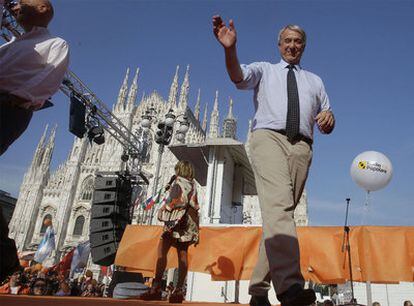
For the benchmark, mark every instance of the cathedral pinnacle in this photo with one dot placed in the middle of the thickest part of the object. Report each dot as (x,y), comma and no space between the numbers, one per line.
(197,106)
(52,136)
(122,92)
(47,155)
(215,106)
(132,95)
(204,124)
(37,158)
(230,114)
(43,138)
(214,119)
(172,97)
(230,123)
(185,86)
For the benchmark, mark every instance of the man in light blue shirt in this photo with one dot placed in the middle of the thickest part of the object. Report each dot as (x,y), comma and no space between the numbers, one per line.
(288,102)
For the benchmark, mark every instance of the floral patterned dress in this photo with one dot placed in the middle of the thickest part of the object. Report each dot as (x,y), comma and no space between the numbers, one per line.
(181,200)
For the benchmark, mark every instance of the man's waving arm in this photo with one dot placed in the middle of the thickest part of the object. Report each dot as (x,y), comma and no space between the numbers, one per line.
(227,37)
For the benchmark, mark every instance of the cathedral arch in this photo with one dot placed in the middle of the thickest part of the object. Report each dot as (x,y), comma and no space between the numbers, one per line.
(87,189)
(79,225)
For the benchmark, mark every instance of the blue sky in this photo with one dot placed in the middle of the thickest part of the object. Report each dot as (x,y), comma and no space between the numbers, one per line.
(361,49)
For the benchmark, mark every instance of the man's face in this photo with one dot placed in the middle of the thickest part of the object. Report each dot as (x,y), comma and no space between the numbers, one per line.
(291,46)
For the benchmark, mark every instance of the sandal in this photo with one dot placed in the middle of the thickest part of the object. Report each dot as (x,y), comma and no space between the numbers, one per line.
(153,294)
(177,296)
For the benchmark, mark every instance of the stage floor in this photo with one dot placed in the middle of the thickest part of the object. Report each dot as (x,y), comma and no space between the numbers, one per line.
(25,300)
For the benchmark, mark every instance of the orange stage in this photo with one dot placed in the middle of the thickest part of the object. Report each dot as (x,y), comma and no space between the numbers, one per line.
(25,300)
(379,254)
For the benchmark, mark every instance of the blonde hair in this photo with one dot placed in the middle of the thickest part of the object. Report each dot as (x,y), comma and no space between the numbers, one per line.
(185,169)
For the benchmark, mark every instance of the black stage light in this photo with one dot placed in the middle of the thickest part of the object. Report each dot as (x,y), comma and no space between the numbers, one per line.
(95,130)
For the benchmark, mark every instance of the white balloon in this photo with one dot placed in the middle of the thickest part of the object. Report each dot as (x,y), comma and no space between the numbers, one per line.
(371,170)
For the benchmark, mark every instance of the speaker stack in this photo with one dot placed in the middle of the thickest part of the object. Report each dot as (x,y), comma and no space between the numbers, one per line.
(110,216)
(77,115)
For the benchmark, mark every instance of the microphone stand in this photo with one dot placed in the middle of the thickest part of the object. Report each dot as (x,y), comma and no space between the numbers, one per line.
(346,247)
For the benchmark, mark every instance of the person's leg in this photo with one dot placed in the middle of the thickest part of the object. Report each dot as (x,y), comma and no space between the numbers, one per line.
(182,253)
(260,279)
(271,159)
(155,292)
(299,164)
(13,122)
(177,295)
(300,158)
(163,248)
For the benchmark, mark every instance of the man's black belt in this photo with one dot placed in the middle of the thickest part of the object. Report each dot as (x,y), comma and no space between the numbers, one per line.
(299,137)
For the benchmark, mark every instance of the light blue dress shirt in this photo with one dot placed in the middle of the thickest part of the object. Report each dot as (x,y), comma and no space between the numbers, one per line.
(269,82)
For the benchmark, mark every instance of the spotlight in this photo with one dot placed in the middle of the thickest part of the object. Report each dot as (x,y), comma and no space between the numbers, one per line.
(96,134)
(95,129)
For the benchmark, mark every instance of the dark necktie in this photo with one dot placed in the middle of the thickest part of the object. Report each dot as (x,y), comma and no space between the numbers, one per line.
(293,115)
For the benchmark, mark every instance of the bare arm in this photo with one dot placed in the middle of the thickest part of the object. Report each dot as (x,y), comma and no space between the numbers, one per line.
(227,37)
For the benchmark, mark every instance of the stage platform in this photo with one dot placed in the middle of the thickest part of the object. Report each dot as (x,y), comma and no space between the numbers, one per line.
(25,300)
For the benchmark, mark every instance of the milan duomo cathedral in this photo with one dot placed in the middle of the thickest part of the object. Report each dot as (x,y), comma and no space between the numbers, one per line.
(65,194)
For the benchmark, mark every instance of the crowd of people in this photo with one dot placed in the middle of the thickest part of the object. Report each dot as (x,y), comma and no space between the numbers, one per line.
(36,280)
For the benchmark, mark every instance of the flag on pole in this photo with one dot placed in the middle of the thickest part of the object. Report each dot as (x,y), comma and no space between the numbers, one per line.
(138,198)
(80,257)
(152,200)
(64,265)
(46,246)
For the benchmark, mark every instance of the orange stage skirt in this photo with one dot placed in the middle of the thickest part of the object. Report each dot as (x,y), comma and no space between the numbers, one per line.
(379,254)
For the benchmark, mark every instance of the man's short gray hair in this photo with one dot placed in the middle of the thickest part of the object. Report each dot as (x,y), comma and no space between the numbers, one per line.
(293,27)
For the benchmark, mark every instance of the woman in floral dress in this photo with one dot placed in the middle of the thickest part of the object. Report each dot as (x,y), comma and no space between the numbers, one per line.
(181,229)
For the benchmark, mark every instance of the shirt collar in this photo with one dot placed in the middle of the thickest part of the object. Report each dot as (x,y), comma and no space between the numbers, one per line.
(283,64)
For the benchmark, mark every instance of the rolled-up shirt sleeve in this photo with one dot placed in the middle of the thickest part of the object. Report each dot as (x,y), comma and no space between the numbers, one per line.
(323,98)
(45,83)
(252,74)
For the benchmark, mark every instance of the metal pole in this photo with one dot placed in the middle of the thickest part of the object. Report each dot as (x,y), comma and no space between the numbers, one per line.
(350,262)
(156,178)
(388,297)
(346,247)
(369,293)
(236,292)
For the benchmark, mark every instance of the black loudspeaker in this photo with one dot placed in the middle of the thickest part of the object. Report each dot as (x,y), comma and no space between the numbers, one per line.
(109,216)
(77,117)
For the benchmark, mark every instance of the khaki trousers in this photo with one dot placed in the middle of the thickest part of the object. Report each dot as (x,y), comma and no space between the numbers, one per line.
(280,169)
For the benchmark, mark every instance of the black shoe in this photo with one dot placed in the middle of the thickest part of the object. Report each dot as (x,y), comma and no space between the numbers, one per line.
(259,300)
(297,296)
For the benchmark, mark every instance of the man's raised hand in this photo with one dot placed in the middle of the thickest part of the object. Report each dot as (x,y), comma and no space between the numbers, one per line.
(226,36)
